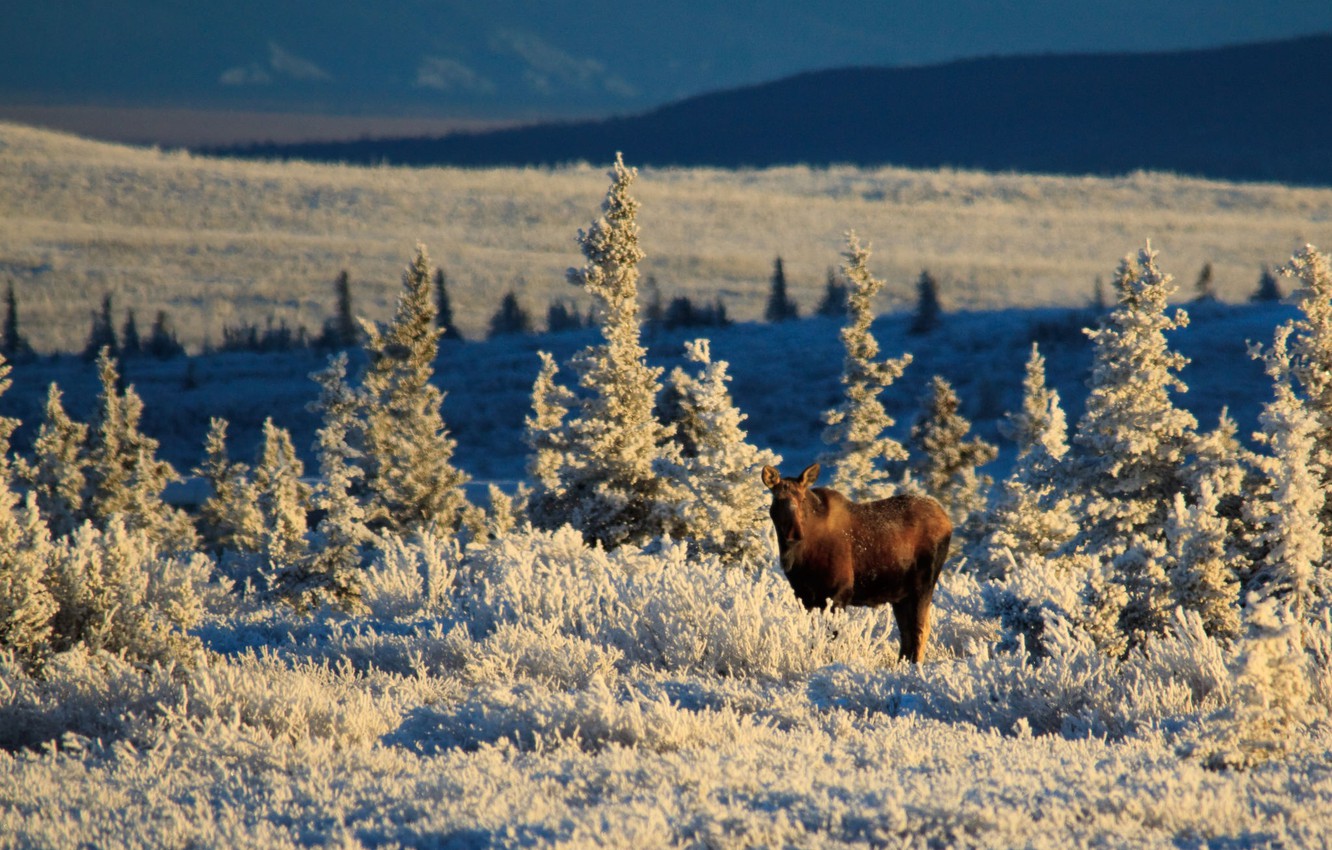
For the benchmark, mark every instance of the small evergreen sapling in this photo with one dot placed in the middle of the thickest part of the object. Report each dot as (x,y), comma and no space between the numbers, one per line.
(857,428)
(26,605)
(942,461)
(1032,515)
(722,512)
(341,535)
(125,477)
(58,473)
(408,452)
(283,502)
(229,518)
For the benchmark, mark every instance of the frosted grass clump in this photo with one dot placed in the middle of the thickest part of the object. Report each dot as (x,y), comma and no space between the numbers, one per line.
(412,576)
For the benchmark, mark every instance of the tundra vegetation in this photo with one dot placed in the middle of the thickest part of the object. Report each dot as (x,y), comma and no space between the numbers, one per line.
(1132,643)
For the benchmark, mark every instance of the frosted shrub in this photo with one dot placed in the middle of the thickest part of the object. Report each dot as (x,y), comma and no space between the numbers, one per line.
(87,692)
(596,716)
(544,576)
(295,704)
(538,652)
(117,592)
(412,576)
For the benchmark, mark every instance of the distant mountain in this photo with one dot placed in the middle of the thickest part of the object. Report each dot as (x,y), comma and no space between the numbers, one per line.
(1251,112)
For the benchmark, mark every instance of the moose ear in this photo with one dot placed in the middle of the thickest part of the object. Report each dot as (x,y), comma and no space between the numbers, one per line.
(771,477)
(809,475)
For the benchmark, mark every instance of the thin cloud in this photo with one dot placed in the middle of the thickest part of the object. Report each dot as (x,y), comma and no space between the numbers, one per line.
(449,75)
(550,69)
(281,64)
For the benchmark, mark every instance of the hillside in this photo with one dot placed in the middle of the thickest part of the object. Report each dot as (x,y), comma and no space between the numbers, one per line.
(1251,112)
(219,243)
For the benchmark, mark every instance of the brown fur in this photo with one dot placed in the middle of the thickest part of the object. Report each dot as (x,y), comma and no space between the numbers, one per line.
(838,552)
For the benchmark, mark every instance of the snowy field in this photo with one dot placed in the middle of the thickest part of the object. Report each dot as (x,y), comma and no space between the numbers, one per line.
(527,689)
(219,243)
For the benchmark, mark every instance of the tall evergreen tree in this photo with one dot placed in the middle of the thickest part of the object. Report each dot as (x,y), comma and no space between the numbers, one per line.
(862,452)
(340,331)
(408,460)
(1032,515)
(1268,289)
(780,306)
(928,309)
(102,335)
(1307,347)
(722,512)
(605,481)
(444,309)
(833,304)
(13,345)
(1133,441)
(1290,519)
(162,341)
(131,345)
(1204,289)
(510,318)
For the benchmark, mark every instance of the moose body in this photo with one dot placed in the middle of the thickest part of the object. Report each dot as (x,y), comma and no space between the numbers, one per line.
(836,552)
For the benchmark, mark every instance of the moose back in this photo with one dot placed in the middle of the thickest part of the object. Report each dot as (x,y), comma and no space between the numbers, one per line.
(838,552)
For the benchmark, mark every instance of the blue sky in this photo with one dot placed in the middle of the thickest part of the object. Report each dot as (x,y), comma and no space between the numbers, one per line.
(526,59)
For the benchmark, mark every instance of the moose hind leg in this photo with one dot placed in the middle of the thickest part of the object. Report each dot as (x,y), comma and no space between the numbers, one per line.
(907,629)
(922,617)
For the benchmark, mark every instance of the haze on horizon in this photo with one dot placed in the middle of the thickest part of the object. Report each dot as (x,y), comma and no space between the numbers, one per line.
(193,73)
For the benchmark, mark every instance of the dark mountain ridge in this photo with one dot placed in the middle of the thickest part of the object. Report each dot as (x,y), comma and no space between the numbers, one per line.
(1249,112)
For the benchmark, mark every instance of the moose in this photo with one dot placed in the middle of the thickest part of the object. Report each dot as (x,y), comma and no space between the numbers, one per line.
(838,552)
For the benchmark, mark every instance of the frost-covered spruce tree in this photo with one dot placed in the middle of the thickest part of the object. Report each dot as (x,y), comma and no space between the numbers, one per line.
(229,519)
(1031,516)
(283,500)
(1310,355)
(862,452)
(1290,518)
(599,472)
(1202,570)
(943,461)
(341,536)
(26,605)
(547,440)
(408,453)
(125,477)
(57,474)
(1132,442)
(722,512)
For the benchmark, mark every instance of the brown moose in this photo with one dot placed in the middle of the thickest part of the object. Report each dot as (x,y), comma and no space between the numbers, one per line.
(838,552)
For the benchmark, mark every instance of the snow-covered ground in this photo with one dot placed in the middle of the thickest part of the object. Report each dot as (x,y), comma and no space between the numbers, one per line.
(534,691)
